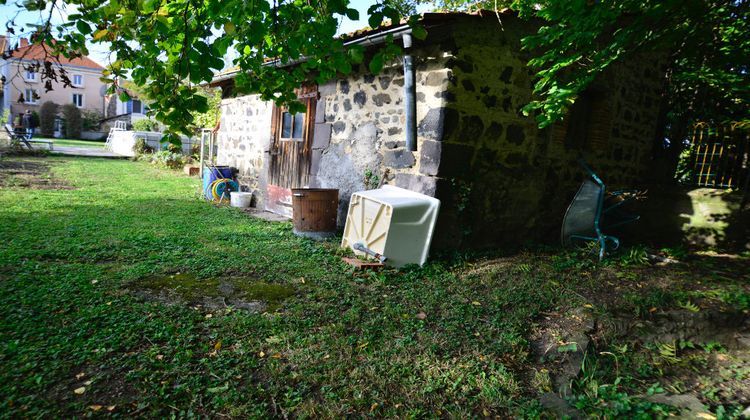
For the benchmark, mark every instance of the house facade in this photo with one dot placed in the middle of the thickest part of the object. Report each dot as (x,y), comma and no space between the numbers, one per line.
(500,178)
(23,88)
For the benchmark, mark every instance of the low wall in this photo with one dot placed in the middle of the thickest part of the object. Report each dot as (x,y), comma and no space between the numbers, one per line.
(123,141)
(93,135)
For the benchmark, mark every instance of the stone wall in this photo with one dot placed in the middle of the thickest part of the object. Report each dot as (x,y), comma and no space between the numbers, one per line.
(244,138)
(360,129)
(503,180)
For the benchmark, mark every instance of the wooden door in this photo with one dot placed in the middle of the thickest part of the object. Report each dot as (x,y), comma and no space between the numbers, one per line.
(289,163)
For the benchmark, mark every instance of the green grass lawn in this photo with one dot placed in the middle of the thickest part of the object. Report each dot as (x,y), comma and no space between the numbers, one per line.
(84,328)
(78,143)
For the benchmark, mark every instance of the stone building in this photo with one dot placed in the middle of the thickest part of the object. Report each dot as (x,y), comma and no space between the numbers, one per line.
(500,178)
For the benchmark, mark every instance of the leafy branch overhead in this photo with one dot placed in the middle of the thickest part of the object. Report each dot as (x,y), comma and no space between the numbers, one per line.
(169,47)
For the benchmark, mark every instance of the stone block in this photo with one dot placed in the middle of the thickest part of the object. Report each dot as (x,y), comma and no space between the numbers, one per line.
(398,158)
(321,136)
(392,144)
(429,160)
(431,125)
(315,161)
(418,183)
(320,111)
(327,89)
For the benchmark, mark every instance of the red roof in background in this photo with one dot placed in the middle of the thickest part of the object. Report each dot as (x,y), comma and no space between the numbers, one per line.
(37,52)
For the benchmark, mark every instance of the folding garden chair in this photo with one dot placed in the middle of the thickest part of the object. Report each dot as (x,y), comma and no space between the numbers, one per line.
(583,222)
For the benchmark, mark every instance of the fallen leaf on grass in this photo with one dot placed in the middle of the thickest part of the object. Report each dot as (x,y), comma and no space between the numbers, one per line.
(80,375)
(87,383)
(217,346)
(159,357)
(94,281)
(277,356)
(422,315)
(209,316)
(95,407)
(80,390)
(475,303)
(217,389)
(111,407)
(373,407)
(261,355)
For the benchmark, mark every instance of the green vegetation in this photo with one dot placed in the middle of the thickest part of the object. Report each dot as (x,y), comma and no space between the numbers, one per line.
(48,113)
(105,263)
(78,143)
(146,124)
(73,121)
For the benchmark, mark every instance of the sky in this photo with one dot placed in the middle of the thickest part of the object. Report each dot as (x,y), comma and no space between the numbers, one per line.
(99,52)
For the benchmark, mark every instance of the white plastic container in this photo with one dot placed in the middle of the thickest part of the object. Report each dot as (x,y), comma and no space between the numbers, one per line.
(240,199)
(392,221)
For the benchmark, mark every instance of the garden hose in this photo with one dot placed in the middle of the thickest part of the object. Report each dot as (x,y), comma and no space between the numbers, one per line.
(221,188)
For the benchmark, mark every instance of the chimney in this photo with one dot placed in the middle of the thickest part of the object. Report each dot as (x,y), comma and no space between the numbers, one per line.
(24,42)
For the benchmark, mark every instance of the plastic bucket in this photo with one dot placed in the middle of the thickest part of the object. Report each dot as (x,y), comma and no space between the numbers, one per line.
(211,174)
(240,199)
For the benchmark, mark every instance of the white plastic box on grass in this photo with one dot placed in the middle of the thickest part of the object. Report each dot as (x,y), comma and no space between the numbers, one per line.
(392,221)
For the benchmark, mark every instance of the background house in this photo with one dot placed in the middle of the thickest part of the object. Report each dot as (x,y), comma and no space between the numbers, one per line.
(129,111)
(500,178)
(23,88)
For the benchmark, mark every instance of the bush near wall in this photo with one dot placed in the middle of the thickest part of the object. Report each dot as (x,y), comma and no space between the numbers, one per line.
(146,124)
(91,119)
(47,114)
(73,121)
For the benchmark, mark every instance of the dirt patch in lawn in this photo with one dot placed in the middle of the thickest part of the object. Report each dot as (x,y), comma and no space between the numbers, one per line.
(29,174)
(213,293)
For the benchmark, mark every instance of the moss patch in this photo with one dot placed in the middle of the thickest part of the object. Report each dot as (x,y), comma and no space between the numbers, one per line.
(243,293)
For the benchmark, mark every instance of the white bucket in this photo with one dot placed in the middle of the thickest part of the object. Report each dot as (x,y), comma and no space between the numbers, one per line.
(240,199)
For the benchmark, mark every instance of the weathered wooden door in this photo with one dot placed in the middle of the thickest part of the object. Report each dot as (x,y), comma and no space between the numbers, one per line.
(289,163)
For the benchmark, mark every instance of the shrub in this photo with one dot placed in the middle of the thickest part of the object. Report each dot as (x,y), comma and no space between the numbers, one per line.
(146,124)
(47,114)
(73,122)
(91,119)
(34,119)
(168,159)
(174,148)
(141,148)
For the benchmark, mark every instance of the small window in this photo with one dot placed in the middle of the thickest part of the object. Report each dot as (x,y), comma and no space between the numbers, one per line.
(134,106)
(292,126)
(30,76)
(78,100)
(30,96)
(77,80)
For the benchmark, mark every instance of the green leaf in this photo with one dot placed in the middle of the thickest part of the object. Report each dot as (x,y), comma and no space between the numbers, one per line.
(356,54)
(83,27)
(376,63)
(375,19)
(419,32)
(567,348)
(352,14)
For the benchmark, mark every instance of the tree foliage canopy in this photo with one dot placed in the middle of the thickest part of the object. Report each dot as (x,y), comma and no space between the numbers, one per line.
(168,47)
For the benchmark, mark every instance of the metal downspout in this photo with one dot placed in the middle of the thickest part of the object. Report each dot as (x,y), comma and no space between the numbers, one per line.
(410,96)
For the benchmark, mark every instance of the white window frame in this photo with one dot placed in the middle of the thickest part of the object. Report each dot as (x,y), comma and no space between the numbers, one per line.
(29,99)
(291,129)
(72,79)
(83,100)
(26,76)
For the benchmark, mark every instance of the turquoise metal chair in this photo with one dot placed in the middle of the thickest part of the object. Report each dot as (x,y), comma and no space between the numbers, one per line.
(588,215)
